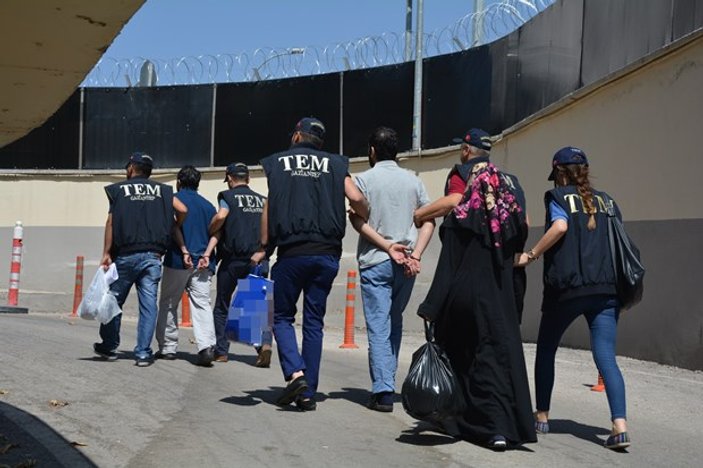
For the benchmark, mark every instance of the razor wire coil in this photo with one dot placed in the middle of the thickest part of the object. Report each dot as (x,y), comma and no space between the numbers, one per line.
(475,29)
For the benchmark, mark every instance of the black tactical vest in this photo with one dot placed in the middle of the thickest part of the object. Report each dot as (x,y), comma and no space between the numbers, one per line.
(142,216)
(242,228)
(579,264)
(306,196)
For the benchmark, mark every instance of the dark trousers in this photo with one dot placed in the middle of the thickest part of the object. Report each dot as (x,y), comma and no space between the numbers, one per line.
(313,276)
(228,273)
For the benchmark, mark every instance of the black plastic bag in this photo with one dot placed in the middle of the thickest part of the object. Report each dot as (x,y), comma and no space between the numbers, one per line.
(431,391)
(629,271)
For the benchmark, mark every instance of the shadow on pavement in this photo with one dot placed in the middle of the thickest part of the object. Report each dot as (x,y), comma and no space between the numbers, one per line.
(582,431)
(248,359)
(418,435)
(255,397)
(360,396)
(26,440)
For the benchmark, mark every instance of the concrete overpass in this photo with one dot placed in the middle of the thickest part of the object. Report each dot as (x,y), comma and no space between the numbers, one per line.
(46,49)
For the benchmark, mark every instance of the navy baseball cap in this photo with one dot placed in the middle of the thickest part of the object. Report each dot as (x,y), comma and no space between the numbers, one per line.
(476,137)
(236,169)
(311,126)
(140,158)
(567,155)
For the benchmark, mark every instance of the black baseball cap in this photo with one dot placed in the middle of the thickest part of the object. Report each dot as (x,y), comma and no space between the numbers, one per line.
(568,155)
(311,126)
(475,137)
(140,158)
(236,169)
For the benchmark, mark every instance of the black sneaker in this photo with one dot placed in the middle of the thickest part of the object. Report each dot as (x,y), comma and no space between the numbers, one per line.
(497,443)
(206,356)
(382,401)
(106,355)
(306,404)
(143,361)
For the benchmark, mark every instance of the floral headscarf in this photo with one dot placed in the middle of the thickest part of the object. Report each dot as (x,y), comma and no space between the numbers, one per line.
(489,207)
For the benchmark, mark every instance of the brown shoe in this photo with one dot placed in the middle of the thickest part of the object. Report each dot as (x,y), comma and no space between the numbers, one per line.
(221,358)
(264,359)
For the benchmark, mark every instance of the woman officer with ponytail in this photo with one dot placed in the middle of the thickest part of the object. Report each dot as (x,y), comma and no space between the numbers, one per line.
(579,279)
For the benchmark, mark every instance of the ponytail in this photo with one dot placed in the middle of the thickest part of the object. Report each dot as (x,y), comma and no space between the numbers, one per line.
(577,174)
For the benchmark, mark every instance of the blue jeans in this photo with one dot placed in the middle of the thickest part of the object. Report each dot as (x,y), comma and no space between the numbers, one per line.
(313,276)
(144,270)
(601,313)
(385,291)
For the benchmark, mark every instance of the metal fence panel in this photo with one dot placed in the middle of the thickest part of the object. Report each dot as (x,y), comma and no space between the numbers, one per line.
(172,124)
(688,16)
(54,145)
(377,97)
(254,120)
(549,55)
(618,32)
(457,95)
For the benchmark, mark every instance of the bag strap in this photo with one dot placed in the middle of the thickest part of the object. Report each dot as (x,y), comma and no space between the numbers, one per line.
(429,331)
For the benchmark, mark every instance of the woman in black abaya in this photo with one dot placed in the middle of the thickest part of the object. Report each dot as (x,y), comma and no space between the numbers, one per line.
(472,302)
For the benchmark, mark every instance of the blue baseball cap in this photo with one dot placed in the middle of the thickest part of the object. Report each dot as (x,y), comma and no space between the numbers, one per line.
(237,169)
(477,138)
(311,126)
(140,158)
(566,156)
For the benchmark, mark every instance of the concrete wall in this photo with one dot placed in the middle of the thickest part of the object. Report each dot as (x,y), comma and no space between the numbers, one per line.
(639,129)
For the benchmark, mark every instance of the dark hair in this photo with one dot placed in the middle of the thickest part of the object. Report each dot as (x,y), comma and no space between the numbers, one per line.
(385,142)
(577,174)
(141,169)
(312,139)
(189,177)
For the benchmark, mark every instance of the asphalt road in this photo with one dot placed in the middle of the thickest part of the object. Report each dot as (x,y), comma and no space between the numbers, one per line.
(174,413)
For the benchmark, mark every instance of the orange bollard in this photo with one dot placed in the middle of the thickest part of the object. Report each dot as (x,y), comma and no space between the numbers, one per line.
(13,291)
(78,285)
(600,386)
(185,310)
(349,312)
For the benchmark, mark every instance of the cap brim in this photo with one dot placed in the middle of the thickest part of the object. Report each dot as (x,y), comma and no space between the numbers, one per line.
(457,141)
(551,175)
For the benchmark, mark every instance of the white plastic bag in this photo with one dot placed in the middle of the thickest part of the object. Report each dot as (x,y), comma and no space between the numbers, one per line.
(98,304)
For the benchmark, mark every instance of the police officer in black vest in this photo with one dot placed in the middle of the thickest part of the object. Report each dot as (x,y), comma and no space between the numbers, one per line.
(305,220)
(137,233)
(579,279)
(238,224)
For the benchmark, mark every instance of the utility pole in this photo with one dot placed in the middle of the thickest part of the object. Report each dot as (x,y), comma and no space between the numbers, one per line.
(409,31)
(478,23)
(417,103)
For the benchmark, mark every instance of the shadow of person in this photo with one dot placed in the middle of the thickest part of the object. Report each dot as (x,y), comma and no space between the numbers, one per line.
(247,359)
(247,400)
(28,441)
(582,431)
(188,357)
(426,434)
(255,397)
(359,396)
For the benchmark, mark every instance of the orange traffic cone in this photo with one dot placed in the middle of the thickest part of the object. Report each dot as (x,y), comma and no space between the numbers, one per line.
(600,386)
(185,310)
